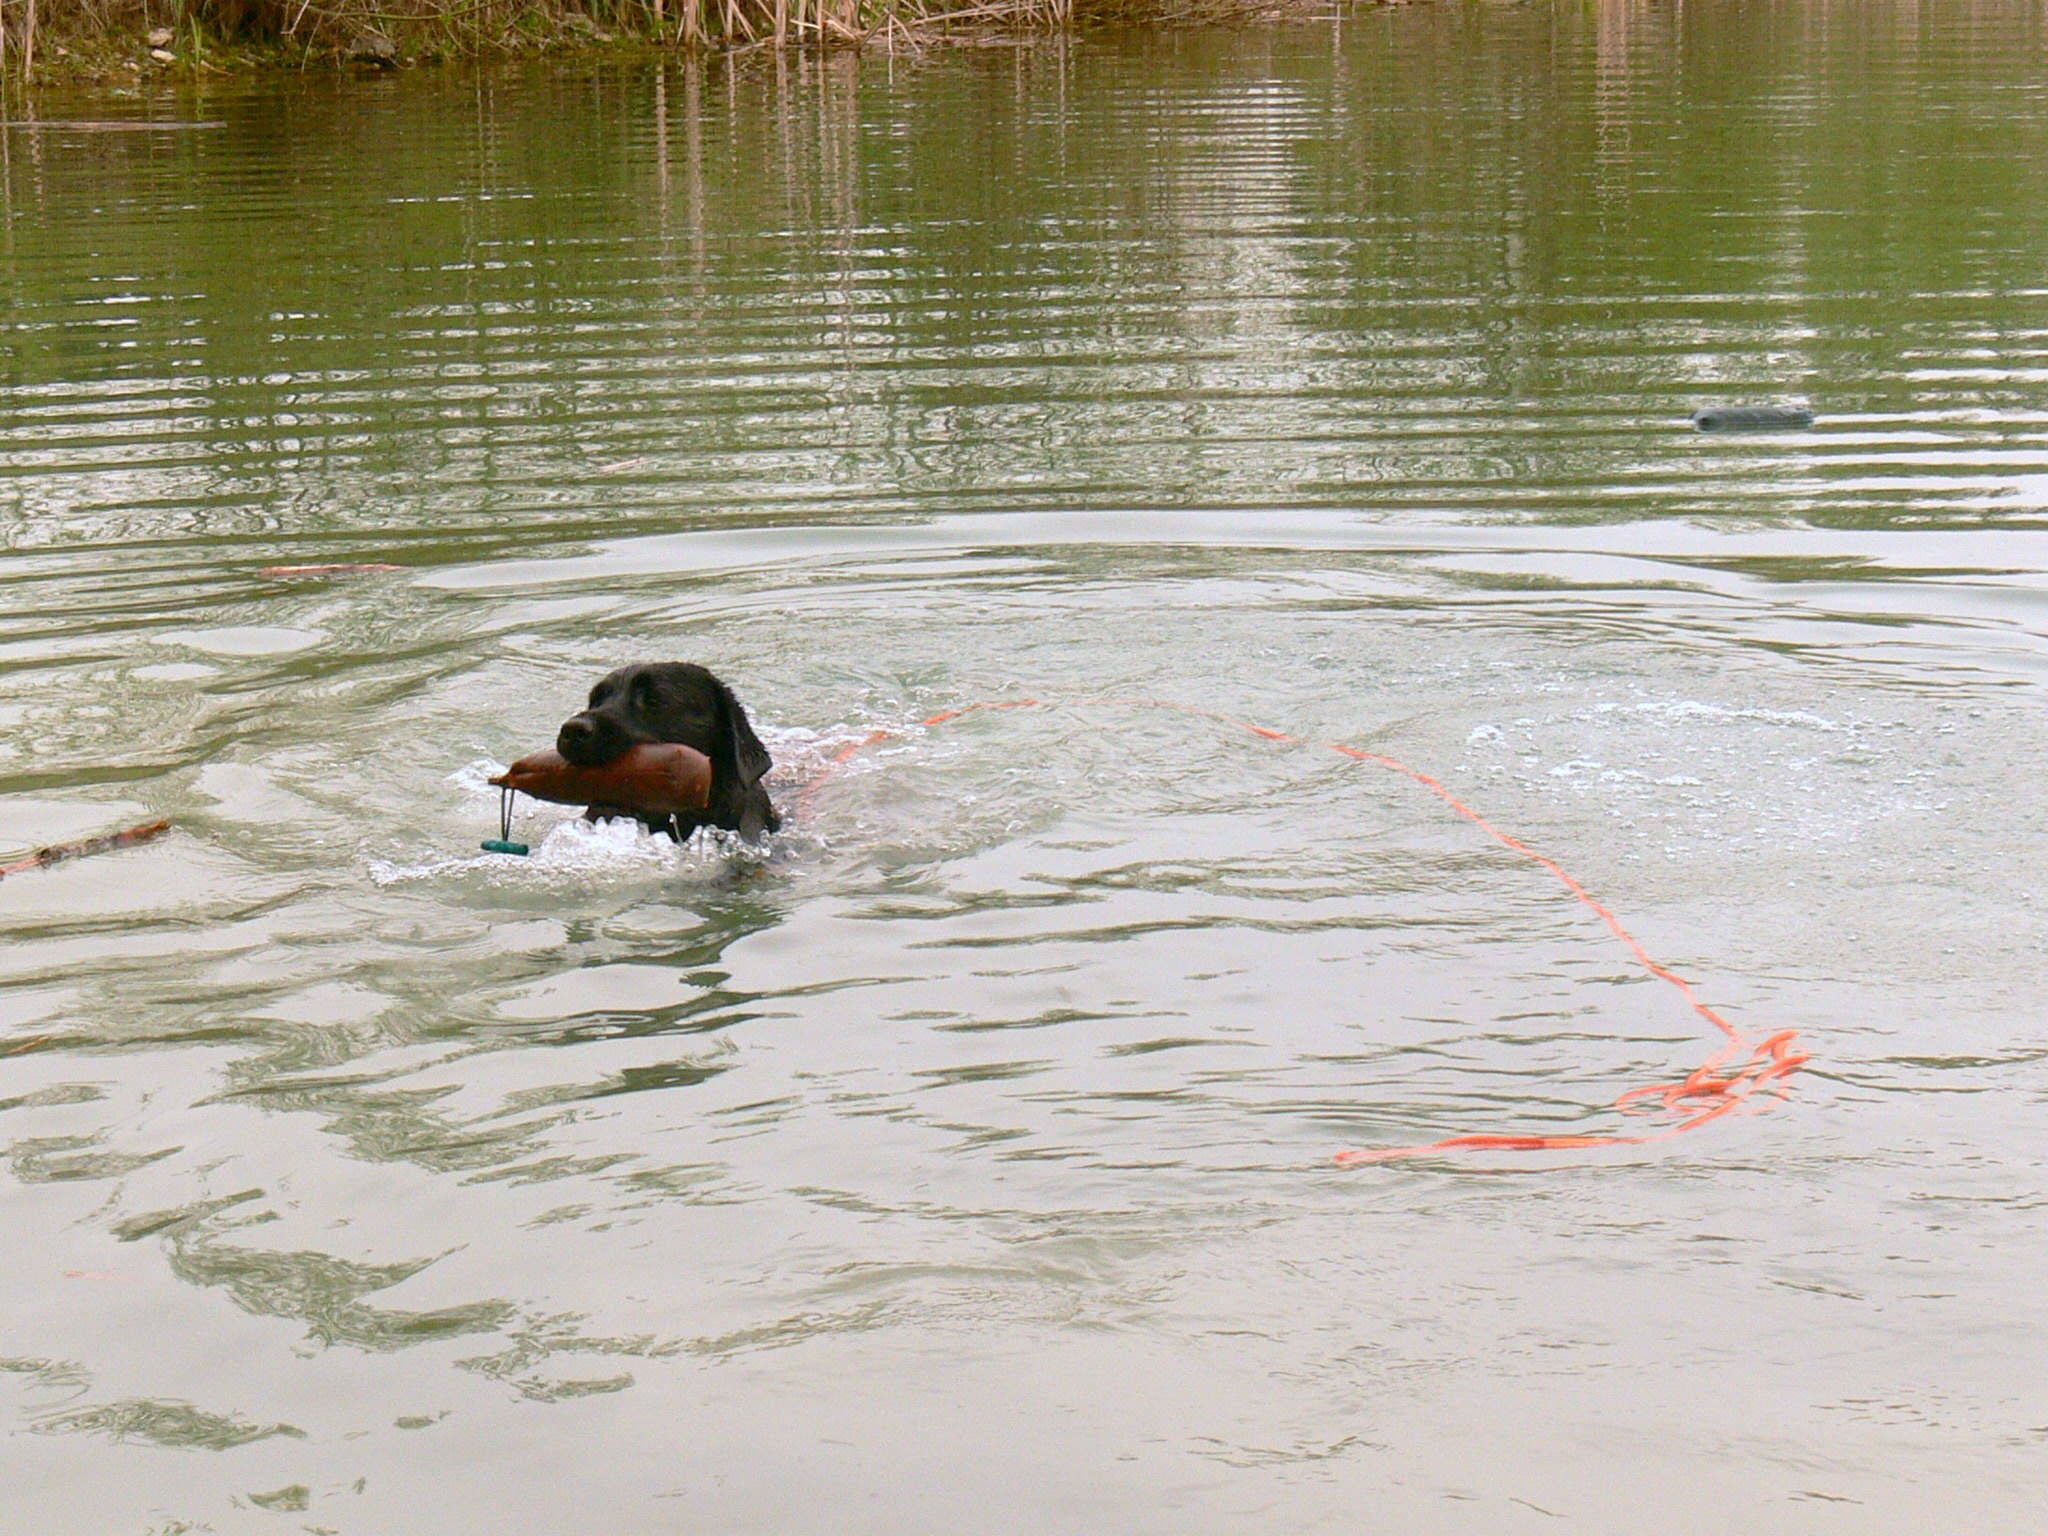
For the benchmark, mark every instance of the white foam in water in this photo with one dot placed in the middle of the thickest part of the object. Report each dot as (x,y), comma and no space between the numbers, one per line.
(1711,772)
(1698,709)
(578,848)
(619,846)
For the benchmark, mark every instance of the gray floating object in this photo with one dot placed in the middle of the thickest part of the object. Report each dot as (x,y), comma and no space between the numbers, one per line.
(1752,418)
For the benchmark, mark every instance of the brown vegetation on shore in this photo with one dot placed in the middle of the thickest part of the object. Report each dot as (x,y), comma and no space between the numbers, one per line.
(110,36)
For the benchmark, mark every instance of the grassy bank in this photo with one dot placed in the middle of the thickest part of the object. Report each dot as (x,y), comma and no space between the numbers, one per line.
(111,38)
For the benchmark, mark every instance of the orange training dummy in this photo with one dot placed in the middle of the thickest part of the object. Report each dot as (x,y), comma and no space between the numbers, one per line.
(653,780)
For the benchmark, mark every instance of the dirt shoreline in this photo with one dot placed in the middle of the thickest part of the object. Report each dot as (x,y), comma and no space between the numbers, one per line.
(115,46)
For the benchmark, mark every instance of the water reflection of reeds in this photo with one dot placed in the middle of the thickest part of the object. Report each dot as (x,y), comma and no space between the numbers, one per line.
(1467,257)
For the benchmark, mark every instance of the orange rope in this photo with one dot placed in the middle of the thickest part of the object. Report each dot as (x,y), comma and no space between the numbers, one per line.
(1709,1091)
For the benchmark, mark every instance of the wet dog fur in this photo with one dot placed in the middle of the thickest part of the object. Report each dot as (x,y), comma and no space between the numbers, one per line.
(676,701)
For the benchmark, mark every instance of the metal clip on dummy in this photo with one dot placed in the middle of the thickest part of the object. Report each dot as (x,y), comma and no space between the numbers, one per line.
(503,843)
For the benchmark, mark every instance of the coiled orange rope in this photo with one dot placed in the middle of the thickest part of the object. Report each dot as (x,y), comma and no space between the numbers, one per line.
(1727,1082)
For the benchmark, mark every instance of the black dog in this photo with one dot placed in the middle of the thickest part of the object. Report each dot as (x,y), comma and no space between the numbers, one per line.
(677,701)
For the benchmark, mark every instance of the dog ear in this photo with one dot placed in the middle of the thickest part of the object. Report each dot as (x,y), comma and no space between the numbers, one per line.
(750,758)
(757,817)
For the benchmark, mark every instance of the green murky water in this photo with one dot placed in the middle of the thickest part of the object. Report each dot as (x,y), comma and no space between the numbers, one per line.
(964,1165)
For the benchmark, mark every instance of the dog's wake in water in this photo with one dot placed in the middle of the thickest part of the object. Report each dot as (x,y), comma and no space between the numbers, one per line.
(569,846)
(575,847)
(564,844)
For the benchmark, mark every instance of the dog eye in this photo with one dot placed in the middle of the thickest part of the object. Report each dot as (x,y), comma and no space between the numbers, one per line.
(643,691)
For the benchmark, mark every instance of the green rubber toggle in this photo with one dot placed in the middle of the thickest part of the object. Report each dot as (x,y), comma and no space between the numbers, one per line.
(501,845)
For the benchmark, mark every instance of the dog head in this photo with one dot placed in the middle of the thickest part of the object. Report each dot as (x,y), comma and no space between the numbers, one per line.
(676,701)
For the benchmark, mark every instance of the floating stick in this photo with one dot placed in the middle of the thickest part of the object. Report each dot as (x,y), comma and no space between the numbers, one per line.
(327,570)
(1752,418)
(57,853)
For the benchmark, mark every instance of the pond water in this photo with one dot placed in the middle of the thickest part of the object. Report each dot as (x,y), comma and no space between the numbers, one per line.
(964,1162)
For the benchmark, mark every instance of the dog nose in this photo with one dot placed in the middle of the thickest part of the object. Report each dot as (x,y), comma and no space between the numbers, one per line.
(576,737)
